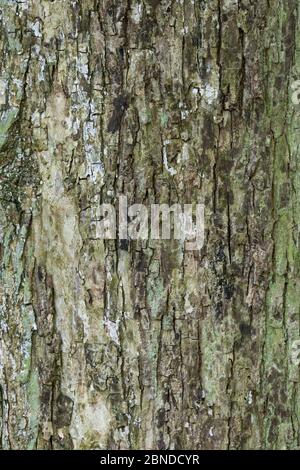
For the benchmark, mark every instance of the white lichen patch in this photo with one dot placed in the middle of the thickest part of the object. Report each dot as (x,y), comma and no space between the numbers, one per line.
(2,360)
(73,124)
(209,93)
(230,4)
(41,74)
(122,435)
(36,119)
(89,130)
(94,166)
(7,117)
(295,353)
(23,5)
(82,65)
(184,114)
(3,88)
(185,152)
(137,12)
(112,328)
(188,306)
(81,311)
(185,30)
(250,397)
(35,28)
(97,171)
(169,169)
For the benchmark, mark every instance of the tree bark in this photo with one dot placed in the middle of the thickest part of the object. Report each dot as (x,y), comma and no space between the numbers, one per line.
(145,345)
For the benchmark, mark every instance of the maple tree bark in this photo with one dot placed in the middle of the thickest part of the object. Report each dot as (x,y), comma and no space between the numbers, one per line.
(142,344)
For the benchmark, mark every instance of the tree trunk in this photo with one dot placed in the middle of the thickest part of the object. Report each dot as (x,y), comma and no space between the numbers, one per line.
(144,344)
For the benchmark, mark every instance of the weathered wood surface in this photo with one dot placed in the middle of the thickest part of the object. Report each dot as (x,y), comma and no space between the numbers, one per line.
(145,345)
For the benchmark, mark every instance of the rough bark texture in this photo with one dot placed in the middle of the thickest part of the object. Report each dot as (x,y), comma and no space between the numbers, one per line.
(108,344)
